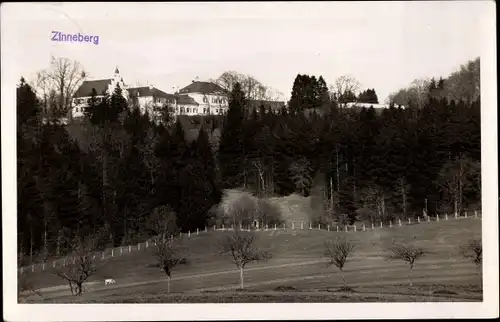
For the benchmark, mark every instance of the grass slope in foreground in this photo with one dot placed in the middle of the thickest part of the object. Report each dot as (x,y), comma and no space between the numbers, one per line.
(298,263)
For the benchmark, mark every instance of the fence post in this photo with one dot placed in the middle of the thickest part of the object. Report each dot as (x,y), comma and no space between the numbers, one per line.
(409,220)
(381,225)
(43,266)
(301,225)
(284,226)
(465,213)
(222,226)
(456,215)
(346,228)
(475,214)
(214,227)
(198,231)
(337,228)
(129,248)
(418,219)
(54,264)
(139,247)
(275,227)
(445,216)
(146,244)
(310,226)
(390,223)
(437,217)
(293,224)
(428,218)
(399,221)
(121,250)
(189,233)
(32,268)
(328,227)
(112,252)
(319,226)
(355,228)
(205,228)
(373,226)
(266,227)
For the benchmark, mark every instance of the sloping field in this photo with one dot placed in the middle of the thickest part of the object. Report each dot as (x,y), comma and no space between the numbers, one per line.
(298,261)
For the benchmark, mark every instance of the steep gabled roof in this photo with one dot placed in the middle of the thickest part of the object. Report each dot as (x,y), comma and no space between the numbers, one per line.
(147,91)
(100,85)
(186,100)
(202,87)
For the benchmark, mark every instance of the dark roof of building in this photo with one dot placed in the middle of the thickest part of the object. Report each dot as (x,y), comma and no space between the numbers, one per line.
(101,86)
(147,91)
(186,100)
(202,87)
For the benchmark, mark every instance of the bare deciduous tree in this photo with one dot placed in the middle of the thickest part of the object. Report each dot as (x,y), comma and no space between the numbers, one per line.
(455,177)
(472,250)
(241,246)
(82,263)
(338,251)
(342,85)
(63,77)
(407,253)
(170,253)
(254,89)
(162,222)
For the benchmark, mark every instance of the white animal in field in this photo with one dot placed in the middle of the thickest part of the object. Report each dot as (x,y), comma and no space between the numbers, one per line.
(109,281)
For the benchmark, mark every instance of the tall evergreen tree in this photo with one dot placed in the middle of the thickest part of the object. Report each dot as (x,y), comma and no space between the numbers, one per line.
(231,154)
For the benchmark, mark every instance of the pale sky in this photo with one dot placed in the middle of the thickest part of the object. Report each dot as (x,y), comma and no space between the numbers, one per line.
(384,45)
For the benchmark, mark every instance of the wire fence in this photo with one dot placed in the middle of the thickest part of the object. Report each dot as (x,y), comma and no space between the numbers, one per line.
(292,225)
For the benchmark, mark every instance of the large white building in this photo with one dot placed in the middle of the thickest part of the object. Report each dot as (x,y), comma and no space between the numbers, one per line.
(144,97)
(101,86)
(197,98)
(201,98)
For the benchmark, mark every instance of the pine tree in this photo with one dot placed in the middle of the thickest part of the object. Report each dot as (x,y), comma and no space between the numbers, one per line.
(232,154)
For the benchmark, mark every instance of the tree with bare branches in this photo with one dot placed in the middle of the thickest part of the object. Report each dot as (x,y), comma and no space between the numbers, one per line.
(253,88)
(472,250)
(241,246)
(82,263)
(343,86)
(337,252)
(408,253)
(62,77)
(169,254)
(162,222)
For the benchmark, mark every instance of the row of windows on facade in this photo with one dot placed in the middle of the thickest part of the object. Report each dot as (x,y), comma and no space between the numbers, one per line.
(196,110)
(215,100)
(79,101)
(182,110)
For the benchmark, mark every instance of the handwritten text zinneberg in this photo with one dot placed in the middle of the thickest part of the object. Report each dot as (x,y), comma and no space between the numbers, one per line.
(59,36)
